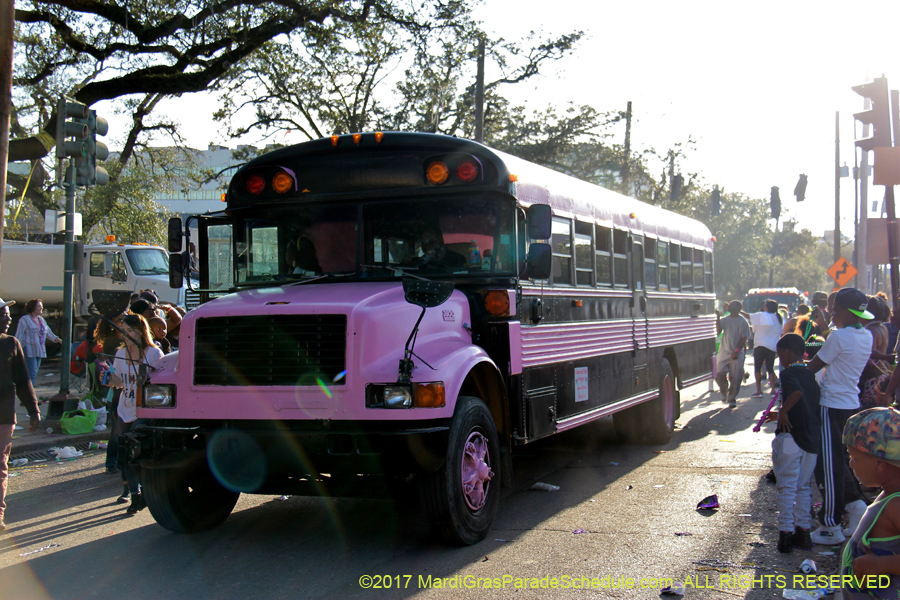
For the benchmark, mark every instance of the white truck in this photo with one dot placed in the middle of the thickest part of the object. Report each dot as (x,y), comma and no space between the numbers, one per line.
(29,270)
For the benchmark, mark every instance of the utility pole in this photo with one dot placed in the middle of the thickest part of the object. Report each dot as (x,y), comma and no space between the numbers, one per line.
(479,94)
(7,24)
(837,187)
(626,159)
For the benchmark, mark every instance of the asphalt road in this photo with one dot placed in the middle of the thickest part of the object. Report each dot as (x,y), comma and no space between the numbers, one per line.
(68,539)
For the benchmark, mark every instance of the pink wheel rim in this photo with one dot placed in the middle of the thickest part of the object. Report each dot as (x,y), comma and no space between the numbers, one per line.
(476,470)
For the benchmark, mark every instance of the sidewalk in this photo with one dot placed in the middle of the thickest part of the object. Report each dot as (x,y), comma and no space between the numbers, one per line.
(47,385)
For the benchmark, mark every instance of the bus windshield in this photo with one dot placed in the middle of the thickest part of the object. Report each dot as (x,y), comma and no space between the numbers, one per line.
(757,302)
(470,237)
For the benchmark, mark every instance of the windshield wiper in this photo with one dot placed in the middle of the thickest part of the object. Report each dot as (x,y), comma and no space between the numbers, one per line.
(401,270)
(322,276)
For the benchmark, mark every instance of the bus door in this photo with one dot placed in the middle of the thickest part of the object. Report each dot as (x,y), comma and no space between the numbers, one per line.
(210,257)
(640,375)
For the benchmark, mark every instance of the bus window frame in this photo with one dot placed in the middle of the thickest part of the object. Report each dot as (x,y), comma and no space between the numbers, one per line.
(583,237)
(622,256)
(602,232)
(558,257)
(650,283)
(662,269)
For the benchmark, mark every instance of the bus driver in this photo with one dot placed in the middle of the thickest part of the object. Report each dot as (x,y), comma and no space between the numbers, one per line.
(435,254)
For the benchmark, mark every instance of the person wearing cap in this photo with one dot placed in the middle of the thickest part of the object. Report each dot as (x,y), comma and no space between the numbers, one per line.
(872,438)
(14,381)
(149,296)
(845,353)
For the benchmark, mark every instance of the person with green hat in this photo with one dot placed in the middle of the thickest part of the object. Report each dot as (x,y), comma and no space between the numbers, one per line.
(871,558)
(845,353)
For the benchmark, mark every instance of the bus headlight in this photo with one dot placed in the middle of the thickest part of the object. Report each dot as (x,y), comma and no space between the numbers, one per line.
(397,396)
(159,396)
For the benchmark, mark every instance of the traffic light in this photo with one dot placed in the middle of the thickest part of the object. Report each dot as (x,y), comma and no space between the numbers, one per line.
(716,202)
(87,171)
(65,128)
(879,116)
(800,189)
(775,203)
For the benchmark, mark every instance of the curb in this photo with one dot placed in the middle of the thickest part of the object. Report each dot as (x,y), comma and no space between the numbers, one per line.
(43,442)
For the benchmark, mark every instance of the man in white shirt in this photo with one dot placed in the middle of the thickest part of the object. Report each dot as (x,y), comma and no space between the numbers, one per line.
(845,353)
(767,327)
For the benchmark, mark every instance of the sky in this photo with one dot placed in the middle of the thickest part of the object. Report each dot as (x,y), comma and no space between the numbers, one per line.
(755,85)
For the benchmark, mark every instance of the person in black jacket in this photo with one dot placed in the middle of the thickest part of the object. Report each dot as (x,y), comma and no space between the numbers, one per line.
(795,448)
(14,381)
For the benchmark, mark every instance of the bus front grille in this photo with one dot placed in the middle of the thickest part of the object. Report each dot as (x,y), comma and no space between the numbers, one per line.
(267,350)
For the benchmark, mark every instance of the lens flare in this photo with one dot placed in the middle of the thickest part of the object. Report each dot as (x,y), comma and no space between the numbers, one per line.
(323,386)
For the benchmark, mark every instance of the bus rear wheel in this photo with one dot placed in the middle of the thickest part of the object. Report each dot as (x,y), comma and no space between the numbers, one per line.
(187,500)
(658,415)
(461,499)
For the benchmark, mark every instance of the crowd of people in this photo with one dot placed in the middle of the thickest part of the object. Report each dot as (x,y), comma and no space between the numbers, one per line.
(114,356)
(837,424)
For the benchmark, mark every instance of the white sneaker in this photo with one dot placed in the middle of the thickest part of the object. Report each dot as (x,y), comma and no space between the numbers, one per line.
(855,511)
(827,536)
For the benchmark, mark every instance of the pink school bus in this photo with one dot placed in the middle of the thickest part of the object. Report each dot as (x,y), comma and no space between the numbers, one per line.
(403,306)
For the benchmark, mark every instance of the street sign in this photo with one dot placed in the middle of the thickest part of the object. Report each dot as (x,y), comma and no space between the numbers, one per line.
(842,271)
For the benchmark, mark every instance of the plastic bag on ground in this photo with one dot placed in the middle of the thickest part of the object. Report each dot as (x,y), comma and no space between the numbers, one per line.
(66,452)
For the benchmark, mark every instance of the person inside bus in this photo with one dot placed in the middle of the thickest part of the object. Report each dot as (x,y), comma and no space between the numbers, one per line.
(435,255)
(301,259)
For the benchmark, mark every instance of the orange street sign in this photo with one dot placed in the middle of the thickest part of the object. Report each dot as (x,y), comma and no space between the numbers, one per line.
(842,271)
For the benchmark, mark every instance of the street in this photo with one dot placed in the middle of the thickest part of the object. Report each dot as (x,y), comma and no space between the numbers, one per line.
(617,516)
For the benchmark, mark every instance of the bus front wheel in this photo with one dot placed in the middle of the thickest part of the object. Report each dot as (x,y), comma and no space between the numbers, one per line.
(462,497)
(187,500)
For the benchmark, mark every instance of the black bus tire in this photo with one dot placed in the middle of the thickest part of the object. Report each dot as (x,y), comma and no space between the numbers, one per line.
(187,500)
(658,415)
(455,514)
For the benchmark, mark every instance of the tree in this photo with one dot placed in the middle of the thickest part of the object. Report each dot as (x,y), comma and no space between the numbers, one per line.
(125,208)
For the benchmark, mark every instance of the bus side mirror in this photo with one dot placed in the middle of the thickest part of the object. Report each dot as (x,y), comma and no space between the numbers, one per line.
(176,270)
(537,265)
(539,221)
(175,234)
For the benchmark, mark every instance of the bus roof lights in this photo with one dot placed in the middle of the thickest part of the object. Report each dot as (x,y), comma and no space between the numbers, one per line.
(334,140)
(378,137)
(282,182)
(467,171)
(633,216)
(437,173)
(357,138)
(224,197)
(256,184)
(513,178)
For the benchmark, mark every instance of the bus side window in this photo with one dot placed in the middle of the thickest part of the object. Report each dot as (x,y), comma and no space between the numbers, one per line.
(662,261)
(637,263)
(620,258)
(584,255)
(603,247)
(698,270)
(708,270)
(650,263)
(687,269)
(561,243)
(674,267)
